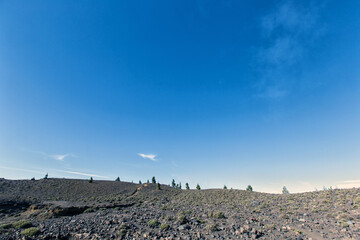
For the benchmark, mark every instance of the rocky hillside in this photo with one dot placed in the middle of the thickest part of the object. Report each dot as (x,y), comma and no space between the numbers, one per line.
(77,209)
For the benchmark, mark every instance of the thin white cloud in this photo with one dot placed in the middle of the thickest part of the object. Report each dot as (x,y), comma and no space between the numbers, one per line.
(152,157)
(58,157)
(288,32)
(83,174)
(21,169)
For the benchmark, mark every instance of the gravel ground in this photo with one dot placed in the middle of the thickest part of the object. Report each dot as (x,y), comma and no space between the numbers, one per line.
(77,209)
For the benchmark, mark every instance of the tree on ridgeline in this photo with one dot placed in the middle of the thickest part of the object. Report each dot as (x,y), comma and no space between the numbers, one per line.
(285,191)
(187,186)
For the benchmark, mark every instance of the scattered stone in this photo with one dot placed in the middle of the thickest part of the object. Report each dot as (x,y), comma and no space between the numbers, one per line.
(149,214)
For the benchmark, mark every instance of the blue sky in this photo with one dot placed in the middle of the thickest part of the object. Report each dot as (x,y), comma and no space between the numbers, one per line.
(265,93)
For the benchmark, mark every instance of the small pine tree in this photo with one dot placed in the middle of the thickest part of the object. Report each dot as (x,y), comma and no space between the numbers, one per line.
(225,187)
(153,180)
(187,186)
(148,181)
(158,186)
(91,180)
(117,179)
(285,191)
(249,188)
(198,187)
(33,179)
(46,176)
(140,182)
(179,185)
(173,184)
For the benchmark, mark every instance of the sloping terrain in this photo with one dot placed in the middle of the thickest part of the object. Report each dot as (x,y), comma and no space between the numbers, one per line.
(77,209)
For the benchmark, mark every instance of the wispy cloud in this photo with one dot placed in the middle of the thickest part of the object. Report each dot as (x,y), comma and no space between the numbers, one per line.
(61,157)
(21,170)
(83,174)
(58,157)
(152,157)
(288,32)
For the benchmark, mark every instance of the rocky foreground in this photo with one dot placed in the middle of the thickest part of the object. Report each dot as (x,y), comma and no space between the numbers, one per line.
(77,209)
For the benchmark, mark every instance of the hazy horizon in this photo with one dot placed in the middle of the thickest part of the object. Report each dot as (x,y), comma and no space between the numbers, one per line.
(235,93)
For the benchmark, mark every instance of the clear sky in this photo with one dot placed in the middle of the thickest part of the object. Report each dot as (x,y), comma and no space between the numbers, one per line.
(259,92)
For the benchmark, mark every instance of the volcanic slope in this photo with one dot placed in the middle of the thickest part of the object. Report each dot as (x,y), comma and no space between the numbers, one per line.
(78,209)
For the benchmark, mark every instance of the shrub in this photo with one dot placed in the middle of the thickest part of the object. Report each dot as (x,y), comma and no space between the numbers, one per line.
(198,187)
(46,176)
(30,232)
(122,232)
(173,184)
(33,179)
(90,209)
(153,223)
(219,215)
(171,218)
(225,187)
(164,226)
(182,219)
(187,186)
(148,181)
(158,186)
(123,229)
(124,226)
(140,182)
(163,207)
(91,180)
(6,226)
(249,188)
(117,179)
(153,180)
(22,224)
(200,220)
(188,212)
